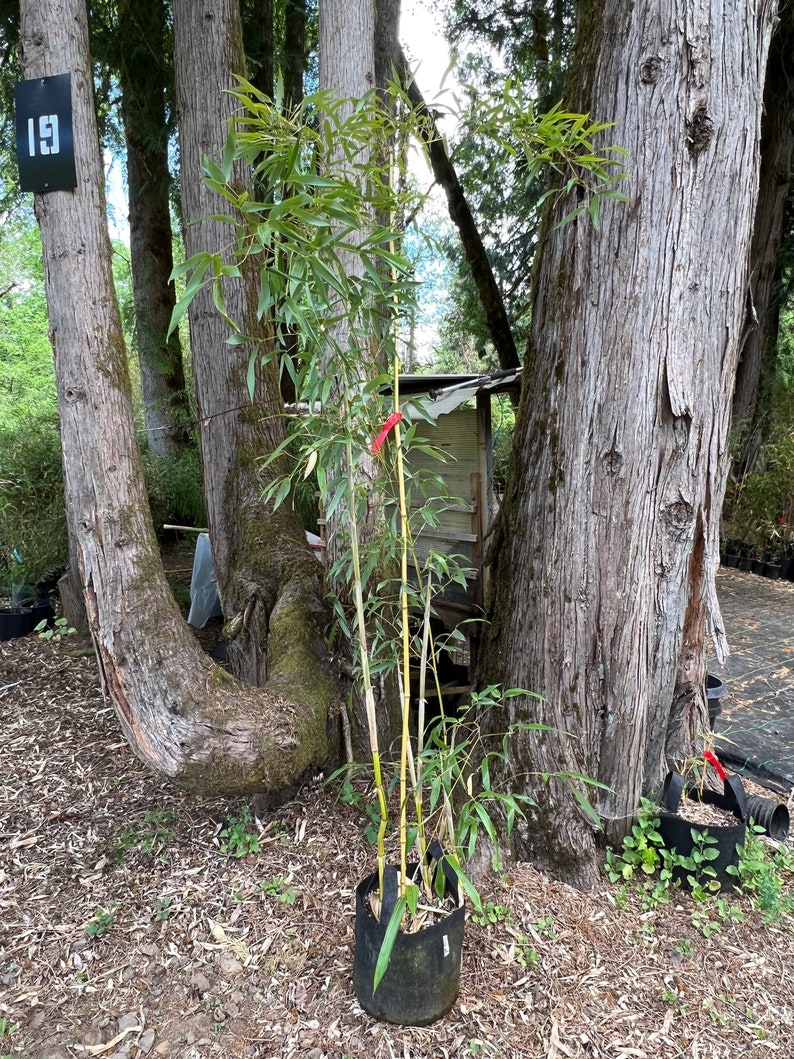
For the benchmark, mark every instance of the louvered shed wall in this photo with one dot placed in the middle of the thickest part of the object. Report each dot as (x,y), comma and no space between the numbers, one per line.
(463,437)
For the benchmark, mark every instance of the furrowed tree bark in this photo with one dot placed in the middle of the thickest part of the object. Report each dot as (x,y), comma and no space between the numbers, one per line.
(619,464)
(187,719)
(346,31)
(258,553)
(143,89)
(460,213)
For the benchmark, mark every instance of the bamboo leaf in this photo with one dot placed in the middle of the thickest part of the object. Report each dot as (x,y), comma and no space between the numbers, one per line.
(585,806)
(311,463)
(389,938)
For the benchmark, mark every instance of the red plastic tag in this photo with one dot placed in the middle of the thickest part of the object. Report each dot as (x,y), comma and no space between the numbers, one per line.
(390,422)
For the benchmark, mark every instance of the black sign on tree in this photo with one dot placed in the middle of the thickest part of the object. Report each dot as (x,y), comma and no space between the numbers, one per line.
(45,144)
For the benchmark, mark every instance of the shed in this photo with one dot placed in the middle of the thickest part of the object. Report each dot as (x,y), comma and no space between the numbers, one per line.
(455,416)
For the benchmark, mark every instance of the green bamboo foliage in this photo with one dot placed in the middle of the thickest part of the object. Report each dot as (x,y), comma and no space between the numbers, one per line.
(298,234)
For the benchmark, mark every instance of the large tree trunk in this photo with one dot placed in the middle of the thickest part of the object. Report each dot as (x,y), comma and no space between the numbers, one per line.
(619,464)
(291,69)
(348,69)
(758,355)
(254,549)
(295,52)
(187,719)
(261,25)
(143,86)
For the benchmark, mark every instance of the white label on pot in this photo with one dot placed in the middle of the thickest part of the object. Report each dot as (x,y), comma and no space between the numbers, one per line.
(446,945)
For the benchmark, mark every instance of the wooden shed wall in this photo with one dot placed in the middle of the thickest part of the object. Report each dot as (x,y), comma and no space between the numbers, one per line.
(460,435)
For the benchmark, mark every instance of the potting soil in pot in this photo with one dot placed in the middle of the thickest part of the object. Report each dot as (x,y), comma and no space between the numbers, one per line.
(704,814)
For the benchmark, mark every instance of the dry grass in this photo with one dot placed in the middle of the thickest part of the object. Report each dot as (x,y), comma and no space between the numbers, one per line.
(207,954)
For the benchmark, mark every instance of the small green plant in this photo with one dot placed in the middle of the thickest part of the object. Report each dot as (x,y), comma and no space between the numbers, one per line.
(670,996)
(545,928)
(101,922)
(647,928)
(641,847)
(152,837)
(238,836)
(717,1015)
(526,955)
(684,947)
(491,914)
(278,889)
(766,874)
(643,861)
(163,908)
(7,1031)
(698,865)
(59,628)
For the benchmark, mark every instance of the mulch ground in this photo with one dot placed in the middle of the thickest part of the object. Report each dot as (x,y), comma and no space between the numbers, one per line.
(127,931)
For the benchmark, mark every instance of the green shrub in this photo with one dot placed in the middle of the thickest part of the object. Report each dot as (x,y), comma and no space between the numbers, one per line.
(176,489)
(33,534)
(759,505)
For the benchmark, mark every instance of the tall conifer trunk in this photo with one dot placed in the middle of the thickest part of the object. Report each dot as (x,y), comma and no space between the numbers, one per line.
(618,469)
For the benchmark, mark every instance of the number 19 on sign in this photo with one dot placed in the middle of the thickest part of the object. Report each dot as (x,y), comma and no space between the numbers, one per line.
(46,140)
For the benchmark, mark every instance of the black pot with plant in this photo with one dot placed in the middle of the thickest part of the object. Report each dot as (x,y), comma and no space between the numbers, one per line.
(421,977)
(706,855)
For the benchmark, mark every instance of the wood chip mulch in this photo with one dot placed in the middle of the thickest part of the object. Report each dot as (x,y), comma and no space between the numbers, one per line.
(192,953)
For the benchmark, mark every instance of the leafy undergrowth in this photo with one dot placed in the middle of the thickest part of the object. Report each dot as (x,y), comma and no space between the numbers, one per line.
(138,921)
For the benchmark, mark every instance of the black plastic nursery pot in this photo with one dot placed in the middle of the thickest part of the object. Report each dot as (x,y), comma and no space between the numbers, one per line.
(716,690)
(422,979)
(14,622)
(42,611)
(681,835)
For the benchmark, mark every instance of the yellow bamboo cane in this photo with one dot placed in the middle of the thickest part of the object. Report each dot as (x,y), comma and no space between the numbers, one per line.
(366,679)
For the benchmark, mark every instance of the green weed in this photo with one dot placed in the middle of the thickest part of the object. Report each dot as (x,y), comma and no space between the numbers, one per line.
(278,889)
(163,908)
(492,914)
(57,631)
(101,922)
(7,1031)
(151,837)
(237,835)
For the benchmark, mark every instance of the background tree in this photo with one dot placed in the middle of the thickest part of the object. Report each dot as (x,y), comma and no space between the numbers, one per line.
(773,220)
(146,78)
(9,75)
(530,43)
(278,38)
(347,70)
(609,528)
(256,552)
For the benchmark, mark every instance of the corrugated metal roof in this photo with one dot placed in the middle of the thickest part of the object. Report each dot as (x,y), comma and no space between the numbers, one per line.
(445,393)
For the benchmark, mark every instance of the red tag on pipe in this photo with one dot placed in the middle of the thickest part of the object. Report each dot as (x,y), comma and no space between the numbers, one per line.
(390,422)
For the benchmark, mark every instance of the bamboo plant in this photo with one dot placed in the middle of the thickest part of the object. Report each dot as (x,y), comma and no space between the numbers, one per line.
(299,235)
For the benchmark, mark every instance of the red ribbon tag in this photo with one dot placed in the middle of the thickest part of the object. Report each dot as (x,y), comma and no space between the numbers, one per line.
(390,422)
(712,758)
